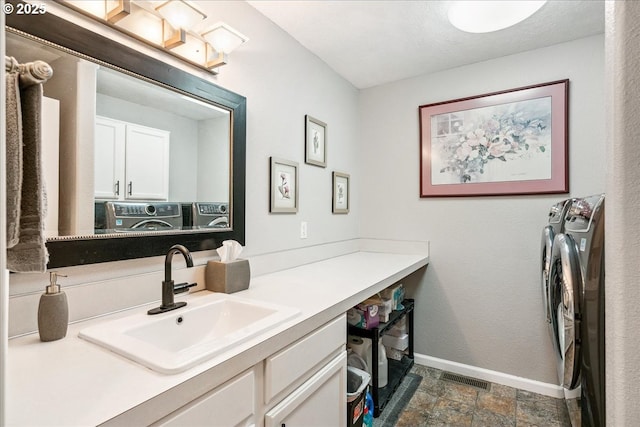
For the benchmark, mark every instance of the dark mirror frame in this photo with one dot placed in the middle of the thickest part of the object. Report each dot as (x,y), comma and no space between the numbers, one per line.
(81,251)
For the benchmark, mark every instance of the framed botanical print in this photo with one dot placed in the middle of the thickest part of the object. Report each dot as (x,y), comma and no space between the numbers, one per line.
(315,142)
(283,186)
(509,142)
(341,193)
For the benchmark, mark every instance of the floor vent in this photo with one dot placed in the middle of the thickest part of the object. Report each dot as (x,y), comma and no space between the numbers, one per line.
(460,379)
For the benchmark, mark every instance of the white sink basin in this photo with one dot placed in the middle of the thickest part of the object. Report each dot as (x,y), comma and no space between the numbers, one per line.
(177,340)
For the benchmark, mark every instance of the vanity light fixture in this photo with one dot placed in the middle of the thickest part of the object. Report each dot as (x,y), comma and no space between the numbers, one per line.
(486,16)
(224,40)
(115,10)
(171,25)
(178,17)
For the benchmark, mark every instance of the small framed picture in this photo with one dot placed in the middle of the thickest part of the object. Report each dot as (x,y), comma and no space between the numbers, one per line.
(283,186)
(340,193)
(315,142)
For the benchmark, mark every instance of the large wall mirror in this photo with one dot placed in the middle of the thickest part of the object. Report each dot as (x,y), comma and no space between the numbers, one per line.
(137,155)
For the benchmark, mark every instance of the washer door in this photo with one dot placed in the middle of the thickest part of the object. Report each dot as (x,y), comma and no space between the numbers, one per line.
(564,299)
(545,248)
(152,224)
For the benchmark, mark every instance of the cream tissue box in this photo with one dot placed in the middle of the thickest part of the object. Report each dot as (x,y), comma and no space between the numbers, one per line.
(227,277)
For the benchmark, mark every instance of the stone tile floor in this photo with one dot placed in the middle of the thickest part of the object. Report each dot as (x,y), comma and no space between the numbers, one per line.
(442,403)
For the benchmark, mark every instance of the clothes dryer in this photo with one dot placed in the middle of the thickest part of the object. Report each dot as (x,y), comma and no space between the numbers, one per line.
(555,226)
(210,214)
(576,284)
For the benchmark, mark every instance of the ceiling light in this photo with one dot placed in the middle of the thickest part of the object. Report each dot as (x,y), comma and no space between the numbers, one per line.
(486,16)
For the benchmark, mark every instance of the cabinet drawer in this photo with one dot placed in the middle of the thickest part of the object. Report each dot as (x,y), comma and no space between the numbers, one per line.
(231,404)
(299,359)
(321,401)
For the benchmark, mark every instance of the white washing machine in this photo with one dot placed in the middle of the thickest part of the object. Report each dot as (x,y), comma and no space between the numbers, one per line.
(576,301)
(557,214)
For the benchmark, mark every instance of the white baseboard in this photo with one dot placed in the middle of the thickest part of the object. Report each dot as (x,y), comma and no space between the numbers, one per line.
(492,376)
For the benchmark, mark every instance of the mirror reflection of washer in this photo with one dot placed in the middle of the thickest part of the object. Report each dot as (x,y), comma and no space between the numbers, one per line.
(210,214)
(576,283)
(143,216)
(555,226)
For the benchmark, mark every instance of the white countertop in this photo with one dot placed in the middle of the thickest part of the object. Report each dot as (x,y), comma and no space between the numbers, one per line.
(74,382)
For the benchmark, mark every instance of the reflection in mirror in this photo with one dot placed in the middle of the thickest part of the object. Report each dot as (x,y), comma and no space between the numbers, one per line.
(147,158)
(197,176)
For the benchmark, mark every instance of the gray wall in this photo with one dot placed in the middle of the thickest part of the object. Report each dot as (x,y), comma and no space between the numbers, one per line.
(480,300)
(282,82)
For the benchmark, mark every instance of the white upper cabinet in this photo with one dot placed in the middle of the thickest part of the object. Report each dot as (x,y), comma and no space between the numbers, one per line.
(131,161)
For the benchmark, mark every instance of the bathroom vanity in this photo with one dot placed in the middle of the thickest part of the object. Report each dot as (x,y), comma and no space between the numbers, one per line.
(293,371)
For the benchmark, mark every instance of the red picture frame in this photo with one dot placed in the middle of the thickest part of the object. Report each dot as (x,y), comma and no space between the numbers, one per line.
(511,142)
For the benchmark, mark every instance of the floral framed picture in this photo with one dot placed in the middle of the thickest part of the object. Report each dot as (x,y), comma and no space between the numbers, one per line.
(283,186)
(509,142)
(315,142)
(341,193)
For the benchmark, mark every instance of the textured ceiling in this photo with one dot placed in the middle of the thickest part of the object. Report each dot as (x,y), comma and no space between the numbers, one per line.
(374,42)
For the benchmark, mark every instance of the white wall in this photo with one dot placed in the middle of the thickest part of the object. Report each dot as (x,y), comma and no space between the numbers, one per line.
(479,302)
(213,143)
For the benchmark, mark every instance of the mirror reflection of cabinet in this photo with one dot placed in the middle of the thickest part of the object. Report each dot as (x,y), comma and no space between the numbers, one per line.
(131,161)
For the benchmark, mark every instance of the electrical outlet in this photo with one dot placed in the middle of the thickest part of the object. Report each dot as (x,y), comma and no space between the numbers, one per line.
(303,230)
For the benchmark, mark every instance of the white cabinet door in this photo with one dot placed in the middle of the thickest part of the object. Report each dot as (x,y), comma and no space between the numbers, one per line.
(321,401)
(147,163)
(232,404)
(131,161)
(109,159)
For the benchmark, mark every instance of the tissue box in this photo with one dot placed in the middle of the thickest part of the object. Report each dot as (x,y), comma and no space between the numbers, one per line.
(363,316)
(227,277)
(369,314)
(385,307)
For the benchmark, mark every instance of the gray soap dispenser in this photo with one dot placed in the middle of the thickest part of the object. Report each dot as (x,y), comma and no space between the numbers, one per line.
(53,311)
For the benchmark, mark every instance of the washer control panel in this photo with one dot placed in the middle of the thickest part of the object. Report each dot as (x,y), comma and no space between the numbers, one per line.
(143,210)
(213,208)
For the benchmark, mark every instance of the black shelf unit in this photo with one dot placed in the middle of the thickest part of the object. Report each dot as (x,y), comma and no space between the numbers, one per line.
(397,368)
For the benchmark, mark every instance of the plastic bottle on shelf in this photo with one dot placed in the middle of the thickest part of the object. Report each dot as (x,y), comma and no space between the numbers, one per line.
(367,420)
(383,366)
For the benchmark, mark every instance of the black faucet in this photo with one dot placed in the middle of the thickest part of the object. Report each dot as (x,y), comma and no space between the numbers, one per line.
(168,287)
